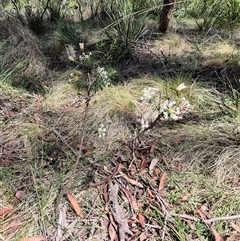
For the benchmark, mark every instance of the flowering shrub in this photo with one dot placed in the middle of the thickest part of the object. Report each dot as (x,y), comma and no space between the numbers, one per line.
(96,77)
(100,77)
(103,75)
(152,107)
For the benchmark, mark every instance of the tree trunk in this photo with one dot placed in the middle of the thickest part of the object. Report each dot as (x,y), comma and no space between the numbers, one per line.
(166,15)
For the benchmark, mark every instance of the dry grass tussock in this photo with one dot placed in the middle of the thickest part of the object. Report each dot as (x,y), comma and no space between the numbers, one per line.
(17,126)
(206,159)
(20,54)
(25,166)
(117,108)
(113,107)
(179,45)
(210,148)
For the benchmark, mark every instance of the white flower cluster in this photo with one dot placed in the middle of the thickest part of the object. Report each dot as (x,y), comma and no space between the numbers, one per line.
(71,53)
(148,93)
(102,131)
(172,111)
(102,73)
(83,57)
(149,106)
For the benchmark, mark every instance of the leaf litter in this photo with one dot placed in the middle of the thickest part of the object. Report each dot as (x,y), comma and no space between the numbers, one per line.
(134,193)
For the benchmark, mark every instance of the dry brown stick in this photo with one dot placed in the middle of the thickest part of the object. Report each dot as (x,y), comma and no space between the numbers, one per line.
(211,220)
(185,216)
(206,221)
(79,154)
(88,98)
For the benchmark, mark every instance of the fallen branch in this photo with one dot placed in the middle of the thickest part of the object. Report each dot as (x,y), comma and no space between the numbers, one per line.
(208,221)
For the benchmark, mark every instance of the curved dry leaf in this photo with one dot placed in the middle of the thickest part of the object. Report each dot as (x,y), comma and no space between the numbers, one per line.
(234,237)
(150,193)
(112,232)
(202,211)
(75,204)
(217,236)
(142,237)
(130,180)
(141,220)
(105,194)
(62,223)
(131,199)
(152,165)
(157,171)
(6,210)
(236,227)
(33,239)
(162,182)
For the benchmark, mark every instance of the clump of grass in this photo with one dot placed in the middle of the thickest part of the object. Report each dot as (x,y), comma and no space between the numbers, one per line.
(22,57)
(60,96)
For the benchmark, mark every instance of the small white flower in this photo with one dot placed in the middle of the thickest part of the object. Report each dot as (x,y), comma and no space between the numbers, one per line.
(102,131)
(174,117)
(171,111)
(83,57)
(165,115)
(171,104)
(144,123)
(177,111)
(103,75)
(71,79)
